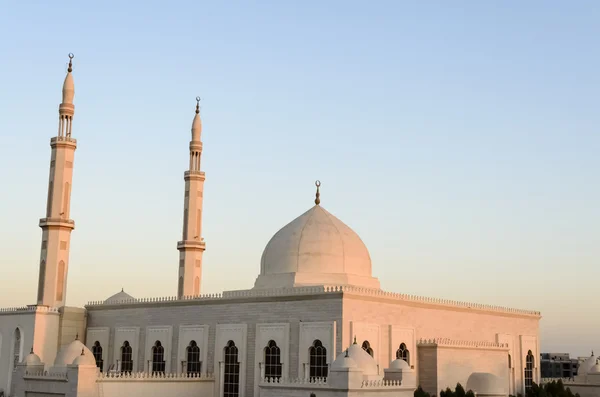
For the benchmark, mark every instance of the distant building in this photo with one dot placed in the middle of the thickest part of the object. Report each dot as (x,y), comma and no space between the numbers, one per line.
(559,365)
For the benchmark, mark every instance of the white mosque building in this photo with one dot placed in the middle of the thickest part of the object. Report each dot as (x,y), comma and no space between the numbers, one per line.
(315,323)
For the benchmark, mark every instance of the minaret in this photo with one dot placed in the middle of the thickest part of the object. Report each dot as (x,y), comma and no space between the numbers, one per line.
(191,247)
(57,226)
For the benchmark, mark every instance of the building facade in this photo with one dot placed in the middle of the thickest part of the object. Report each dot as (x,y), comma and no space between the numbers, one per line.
(315,321)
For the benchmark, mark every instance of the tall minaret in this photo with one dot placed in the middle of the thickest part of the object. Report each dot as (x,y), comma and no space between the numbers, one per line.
(57,226)
(191,247)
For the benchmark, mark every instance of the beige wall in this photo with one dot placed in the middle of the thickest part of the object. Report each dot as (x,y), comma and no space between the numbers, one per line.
(155,388)
(435,321)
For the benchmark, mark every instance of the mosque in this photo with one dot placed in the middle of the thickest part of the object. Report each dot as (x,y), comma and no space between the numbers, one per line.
(315,323)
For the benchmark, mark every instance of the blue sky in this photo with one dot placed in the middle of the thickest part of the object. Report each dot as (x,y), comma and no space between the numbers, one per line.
(460,140)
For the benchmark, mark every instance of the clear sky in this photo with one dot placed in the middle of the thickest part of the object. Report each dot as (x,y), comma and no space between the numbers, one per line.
(459,139)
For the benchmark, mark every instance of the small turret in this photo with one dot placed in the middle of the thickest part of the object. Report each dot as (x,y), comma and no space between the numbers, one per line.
(197,123)
(68,91)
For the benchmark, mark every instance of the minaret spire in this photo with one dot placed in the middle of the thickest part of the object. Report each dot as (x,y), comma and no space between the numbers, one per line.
(57,225)
(191,247)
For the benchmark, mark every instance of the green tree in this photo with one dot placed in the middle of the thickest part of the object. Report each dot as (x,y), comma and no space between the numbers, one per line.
(421,393)
(460,391)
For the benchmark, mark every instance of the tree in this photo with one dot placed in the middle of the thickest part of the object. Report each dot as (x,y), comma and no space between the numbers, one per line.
(460,391)
(421,393)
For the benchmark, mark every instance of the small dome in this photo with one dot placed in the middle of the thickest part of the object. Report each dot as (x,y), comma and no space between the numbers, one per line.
(196,128)
(363,360)
(343,362)
(587,365)
(32,359)
(485,383)
(399,364)
(119,297)
(84,359)
(316,248)
(69,353)
(595,369)
(68,91)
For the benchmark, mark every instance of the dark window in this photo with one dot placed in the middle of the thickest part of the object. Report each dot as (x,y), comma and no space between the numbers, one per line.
(272,360)
(97,351)
(126,357)
(366,346)
(158,357)
(403,353)
(318,360)
(193,358)
(231,377)
(529,371)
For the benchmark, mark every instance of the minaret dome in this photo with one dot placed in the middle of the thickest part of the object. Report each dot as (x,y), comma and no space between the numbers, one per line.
(68,91)
(197,123)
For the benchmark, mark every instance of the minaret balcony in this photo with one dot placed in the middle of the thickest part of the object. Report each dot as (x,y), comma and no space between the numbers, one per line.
(191,244)
(57,222)
(194,175)
(63,140)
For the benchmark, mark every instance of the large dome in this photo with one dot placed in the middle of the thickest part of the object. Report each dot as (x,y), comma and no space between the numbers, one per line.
(315,249)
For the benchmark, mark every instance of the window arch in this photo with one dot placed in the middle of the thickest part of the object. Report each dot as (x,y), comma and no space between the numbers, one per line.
(180,286)
(61,281)
(509,361)
(97,352)
(126,357)
(17,348)
(231,376)
(529,363)
(318,360)
(197,285)
(272,358)
(366,346)
(403,353)
(158,357)
(41,281)
(194,364)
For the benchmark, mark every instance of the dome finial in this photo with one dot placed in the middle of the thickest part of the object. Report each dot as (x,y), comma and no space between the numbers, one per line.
(346,352)
(82,352)
(318,195)
(354,340)
(77,336)
(31,352)
(197,104)
(71,56)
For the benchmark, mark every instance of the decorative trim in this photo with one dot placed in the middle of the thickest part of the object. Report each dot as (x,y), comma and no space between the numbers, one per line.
(198,333)
(166,341)
(464,344)
(325,331)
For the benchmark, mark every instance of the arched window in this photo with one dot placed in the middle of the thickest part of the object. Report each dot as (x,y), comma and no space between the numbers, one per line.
(231,377)
(158,357)
(41,281)
(97,352)
(529,371)
(126,357)
(180,286)
(272,360)
(318,360)
(61,281)
(193,358)
(197,285)
(366,346)
(17,349)
(403,353)
(509,361)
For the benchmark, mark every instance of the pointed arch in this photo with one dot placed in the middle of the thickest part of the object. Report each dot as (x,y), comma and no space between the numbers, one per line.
(97,352)
(126,357)
(41,281)
(158,358)
(231,376)
(180,286)
(366,346)
(272,360)
(194,365)
(17,348)
(60,283)
(318,360)
(529,365)
(197,285)
(403,353)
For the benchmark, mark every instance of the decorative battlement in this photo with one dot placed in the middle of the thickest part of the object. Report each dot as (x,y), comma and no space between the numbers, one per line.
(28,309)
(543,381)
(446,342)
(356,291)
(60,222)
(145,376)
(191,244)
(381,383)
(45,375)
(295,381)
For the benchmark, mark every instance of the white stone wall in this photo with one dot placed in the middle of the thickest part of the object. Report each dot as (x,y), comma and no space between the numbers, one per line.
(9,322)
(211,322)
(428,320)
(156,387)
(300,391)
